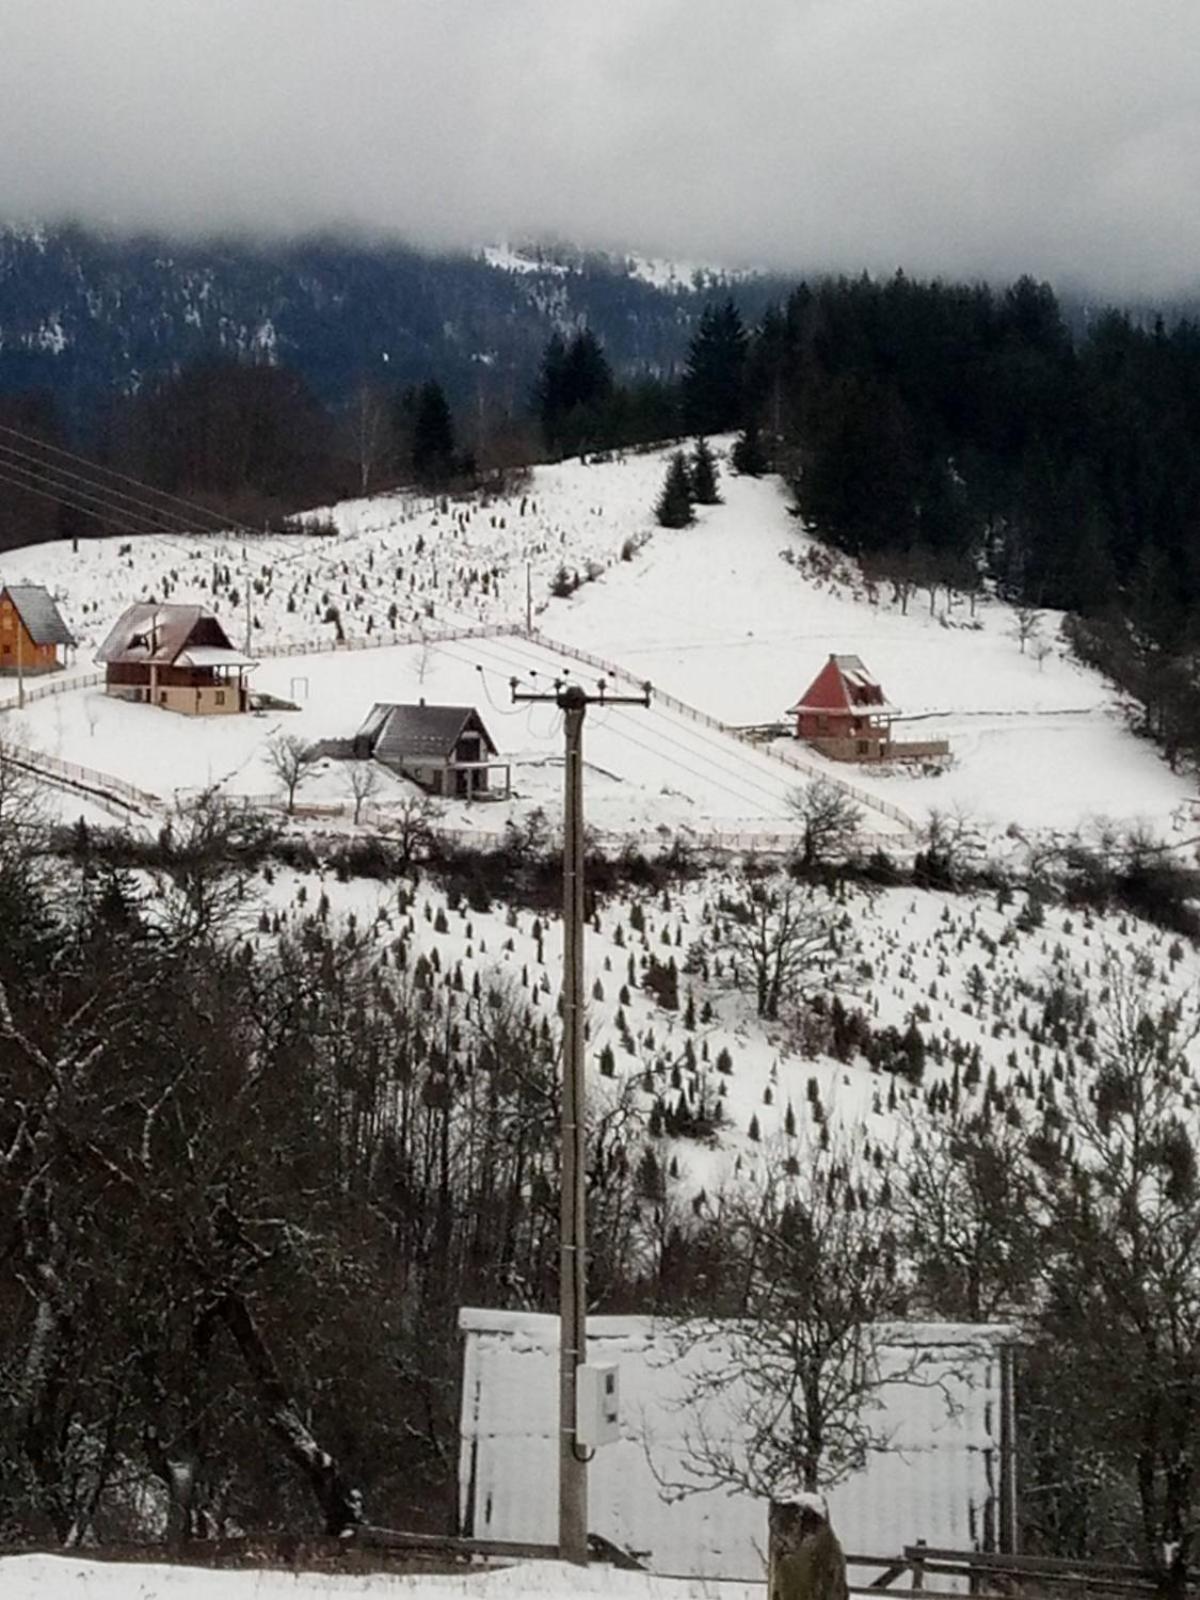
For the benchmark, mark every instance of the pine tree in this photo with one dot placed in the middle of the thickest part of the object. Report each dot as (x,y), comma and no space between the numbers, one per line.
(704,475)
(433,436)
(674,506)
(713,378)
(748,457)
(574,386)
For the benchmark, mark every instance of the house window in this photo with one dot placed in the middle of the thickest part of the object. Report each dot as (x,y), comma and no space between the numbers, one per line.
(864,746)
(220,697)
(162,697)
(822,724)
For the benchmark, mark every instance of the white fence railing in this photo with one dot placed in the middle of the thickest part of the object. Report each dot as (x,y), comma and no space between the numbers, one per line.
(42,691)
(380,641)
(672,702)
(100,785)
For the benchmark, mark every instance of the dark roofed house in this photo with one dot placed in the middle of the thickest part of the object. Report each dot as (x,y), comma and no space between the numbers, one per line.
(175,656)
(31,630)
(446,749)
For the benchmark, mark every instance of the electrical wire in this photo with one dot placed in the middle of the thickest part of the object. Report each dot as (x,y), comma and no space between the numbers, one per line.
(59,498)
(191,507)
(62,484)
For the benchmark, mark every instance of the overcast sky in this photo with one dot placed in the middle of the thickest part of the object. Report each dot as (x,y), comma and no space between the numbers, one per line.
(965,137)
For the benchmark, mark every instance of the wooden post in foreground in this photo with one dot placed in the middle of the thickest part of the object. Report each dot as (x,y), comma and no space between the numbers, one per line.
(804,1558)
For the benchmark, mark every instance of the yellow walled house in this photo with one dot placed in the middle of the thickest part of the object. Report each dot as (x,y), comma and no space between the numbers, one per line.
(178,657)
(32,631)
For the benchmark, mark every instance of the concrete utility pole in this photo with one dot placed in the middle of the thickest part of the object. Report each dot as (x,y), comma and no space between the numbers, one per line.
(573,702)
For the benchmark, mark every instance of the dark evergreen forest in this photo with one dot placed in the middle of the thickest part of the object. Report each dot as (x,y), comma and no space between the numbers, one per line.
(944,434)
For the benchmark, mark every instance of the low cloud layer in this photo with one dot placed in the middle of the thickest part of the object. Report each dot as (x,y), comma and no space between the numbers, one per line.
(963,137)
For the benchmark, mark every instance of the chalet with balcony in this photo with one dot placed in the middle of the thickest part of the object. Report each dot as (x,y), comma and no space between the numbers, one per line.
(445,749)
(844,713)
(32,631)
(178,657)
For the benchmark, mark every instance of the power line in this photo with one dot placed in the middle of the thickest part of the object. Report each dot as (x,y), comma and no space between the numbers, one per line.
(59,498)
(56,476)
(191,507)
(104,498)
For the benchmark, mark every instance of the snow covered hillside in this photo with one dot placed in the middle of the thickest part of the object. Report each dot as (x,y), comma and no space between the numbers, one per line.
(733,616)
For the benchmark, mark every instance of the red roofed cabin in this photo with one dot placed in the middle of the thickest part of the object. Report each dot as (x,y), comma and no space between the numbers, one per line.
(31,630)
(175,656)
(843,713)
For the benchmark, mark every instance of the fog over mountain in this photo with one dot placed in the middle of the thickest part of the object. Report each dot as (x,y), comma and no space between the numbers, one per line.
(959,137)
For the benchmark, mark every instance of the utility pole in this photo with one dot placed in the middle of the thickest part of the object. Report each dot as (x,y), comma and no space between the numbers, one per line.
(573,701)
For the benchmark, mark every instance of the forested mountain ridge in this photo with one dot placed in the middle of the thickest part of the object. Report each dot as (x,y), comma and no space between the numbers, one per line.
(83,315)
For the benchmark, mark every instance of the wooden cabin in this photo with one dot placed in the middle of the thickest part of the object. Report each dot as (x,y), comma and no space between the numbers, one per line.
(32,631)
(446,749)
(844,714)
(178,657)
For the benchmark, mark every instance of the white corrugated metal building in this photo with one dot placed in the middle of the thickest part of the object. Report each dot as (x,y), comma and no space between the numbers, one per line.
(946,1476)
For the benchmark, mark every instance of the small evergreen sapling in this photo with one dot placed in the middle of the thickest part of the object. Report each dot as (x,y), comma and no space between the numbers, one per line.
(674,505)
(704,475)
(749,459)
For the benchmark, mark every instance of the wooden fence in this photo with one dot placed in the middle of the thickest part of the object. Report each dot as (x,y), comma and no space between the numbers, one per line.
(745,736)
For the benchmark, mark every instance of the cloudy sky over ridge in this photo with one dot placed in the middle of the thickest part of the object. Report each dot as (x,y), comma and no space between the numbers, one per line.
(954,136)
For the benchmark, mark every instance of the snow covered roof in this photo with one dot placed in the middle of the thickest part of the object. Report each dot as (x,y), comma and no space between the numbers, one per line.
(410,732)
(36,608)
(212,655)
(157,631)
(938,1479)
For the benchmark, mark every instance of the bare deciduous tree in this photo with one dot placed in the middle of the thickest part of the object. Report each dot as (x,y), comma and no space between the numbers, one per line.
(831,820)
(1027,623)
(414,826)
(779,939)
(362,781)
(782,1391)
(292,760)
(1119,1168)
(1041,649)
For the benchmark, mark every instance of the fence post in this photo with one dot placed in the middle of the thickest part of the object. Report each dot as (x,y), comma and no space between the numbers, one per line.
(918,1565)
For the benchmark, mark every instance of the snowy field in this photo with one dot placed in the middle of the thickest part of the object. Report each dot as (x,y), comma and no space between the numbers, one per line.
(648,771)
(714,614)
(70,1578)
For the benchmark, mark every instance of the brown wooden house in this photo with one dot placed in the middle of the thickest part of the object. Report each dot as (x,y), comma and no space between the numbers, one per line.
(175,656)
(32,631)
(446,749)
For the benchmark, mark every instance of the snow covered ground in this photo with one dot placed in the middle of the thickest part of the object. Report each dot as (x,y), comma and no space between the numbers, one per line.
(713,614)
(648,771)
(72,1578)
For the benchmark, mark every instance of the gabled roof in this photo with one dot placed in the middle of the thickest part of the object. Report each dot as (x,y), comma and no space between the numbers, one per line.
(36,608)
(409,731)
(158,631)
(843,685)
